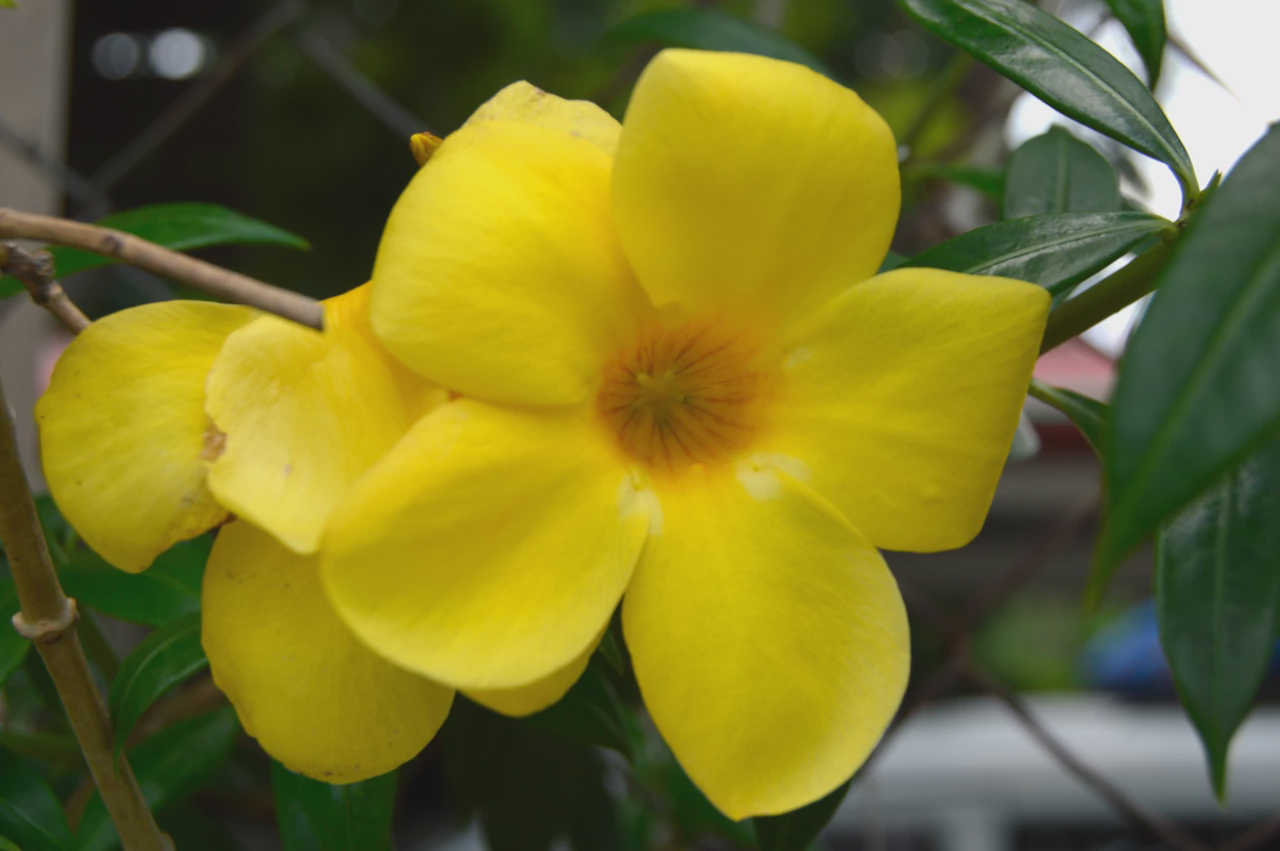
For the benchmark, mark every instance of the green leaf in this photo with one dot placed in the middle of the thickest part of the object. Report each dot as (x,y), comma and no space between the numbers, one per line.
(796,830)
(1144,19)
(1198,388)
(13,647)
(6,844)
(988,181)
(170,767)
(710,29)
(182,227)
(167,589)
(30,814)
(164,659)
(529,787)
(1218,598)
(1056,251)
(591,712)
(1057,173)
(192,830)
(317,816)
(1087,414)
(1061,67)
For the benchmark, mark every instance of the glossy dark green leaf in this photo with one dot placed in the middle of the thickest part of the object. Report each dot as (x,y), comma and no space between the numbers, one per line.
(1198,388)
(530,788)
(710,29)
(170,767)
(182,227)
(1061,67)
(1056,251)
(591,712)
(315,816)
(1057,173)
(988,181)
(13,647)
(30,814)
(1218,598)
(796,830)
(1087,414)
(1144,19)
(164,659)
(167,589)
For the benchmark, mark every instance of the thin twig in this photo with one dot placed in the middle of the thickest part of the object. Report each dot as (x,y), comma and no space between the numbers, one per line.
(379,104)
(35,271)
(47,618)
(161,261)
(57,173)
(1137,815)
(169,121)
(1261,832)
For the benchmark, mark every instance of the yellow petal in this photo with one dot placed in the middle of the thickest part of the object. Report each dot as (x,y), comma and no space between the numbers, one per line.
(498,275)
(314,697)
(753,184)
(527,103)
(123,432)
(769,640)
(304,414)
(900,399)
(526,700)
(489,547)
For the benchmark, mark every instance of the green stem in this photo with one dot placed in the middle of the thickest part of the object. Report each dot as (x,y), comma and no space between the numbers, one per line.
(1105,298)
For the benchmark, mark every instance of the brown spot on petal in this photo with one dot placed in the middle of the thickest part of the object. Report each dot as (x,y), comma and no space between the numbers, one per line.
(215,441)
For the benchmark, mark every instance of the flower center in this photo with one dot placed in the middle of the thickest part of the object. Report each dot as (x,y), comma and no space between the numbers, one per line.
(682,397)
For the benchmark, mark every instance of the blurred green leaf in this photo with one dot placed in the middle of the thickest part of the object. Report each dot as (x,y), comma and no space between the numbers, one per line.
(1218,599)
(1144,19)
(59,749)
(317,816)
(13,647)
(170,766)
(1056,251)
(710,29)
(1198,388)
(988,181)
(591,712)
(167,589)
(797,830)
(1087,414)
(164,659)
(5,844)
(182,227)
(192,830)
(1057,173)
(1060,66)
(528,786)
(30,814)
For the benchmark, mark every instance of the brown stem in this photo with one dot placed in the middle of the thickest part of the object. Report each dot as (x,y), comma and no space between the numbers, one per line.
(1141,818)
(35,271)
(47,618)
(164,262)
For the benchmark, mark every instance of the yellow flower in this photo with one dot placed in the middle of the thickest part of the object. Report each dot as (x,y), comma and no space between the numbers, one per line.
(682,380)
(163,420)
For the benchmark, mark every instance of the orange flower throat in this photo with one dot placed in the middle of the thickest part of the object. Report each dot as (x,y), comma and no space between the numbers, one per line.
(682,397)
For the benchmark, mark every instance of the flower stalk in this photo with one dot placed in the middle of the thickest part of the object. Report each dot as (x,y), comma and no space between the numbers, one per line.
(1110,295)
(47,618)
(174,265)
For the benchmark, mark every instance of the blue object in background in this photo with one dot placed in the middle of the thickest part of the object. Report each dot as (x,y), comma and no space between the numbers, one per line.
(1126,656)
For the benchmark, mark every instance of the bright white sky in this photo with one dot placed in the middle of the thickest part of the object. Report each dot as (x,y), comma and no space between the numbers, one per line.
(1236,40)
